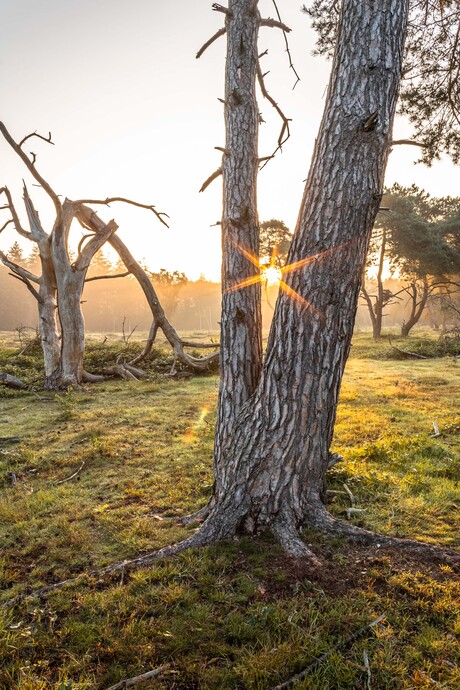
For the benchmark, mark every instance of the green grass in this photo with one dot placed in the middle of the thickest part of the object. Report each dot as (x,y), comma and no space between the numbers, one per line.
(237,615)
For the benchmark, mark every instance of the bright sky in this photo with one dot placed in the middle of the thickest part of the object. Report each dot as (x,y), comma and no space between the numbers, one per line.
(134,114)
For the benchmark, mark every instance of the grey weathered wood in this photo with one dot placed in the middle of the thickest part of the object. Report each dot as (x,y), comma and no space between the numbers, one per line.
(11,381)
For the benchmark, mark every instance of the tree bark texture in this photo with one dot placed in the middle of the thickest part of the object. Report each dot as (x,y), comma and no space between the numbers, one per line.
(241,335)
(70,279)
(274,461)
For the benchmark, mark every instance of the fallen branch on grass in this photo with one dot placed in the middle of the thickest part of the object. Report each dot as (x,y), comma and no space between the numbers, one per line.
(12,381)
(350,495)
(129,682)
(72,476)
(436,430)
(336,648)
(407,352)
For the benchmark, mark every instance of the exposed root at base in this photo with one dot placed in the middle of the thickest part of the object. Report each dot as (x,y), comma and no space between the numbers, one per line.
(198,516)
(216,529)
(319,518)
(290,541)
(197,539)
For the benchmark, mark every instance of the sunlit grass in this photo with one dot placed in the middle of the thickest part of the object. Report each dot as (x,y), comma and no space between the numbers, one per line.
(237,615)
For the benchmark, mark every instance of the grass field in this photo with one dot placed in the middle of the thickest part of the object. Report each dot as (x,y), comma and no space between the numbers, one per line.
(238,615)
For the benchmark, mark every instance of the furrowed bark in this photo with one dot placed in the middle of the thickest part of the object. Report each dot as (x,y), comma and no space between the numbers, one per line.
(241,336)
(274,461)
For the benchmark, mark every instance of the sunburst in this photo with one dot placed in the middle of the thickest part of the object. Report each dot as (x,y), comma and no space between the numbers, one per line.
(270,274)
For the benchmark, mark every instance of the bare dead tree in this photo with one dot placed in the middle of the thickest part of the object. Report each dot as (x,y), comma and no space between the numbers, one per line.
(60,287)
(42,287)
(92,222)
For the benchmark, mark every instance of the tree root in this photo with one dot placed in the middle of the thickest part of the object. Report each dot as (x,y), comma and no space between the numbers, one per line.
(198,516)
(288,536)
(216,528)
(200,538)
(319,518)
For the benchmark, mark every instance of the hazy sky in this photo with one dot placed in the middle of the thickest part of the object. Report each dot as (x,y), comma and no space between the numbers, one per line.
(134,114)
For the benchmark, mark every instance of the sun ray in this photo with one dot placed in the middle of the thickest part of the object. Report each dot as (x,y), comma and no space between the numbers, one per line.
(290,292)
(252,280)
(191,433)
(309,259)
(251,257)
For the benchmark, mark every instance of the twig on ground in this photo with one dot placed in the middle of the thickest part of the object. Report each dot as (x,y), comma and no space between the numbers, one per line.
(72,476)
(436,430)
(350,495)
(368,670)
(10,439)
(341,645)
(129,682)
(355,511)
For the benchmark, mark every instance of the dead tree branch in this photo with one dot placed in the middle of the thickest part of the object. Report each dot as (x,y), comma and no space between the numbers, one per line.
(106,202)
(39,136)
(28,285)
(186,343)
(91,221)
(210,179)
(336,648)
(72,476)
(18,270)
(274,24)
(288,50)
(14,216)
(129,682)
(407,352)
(148,345)
(117,275)
(6,224)
(11,381)
(33,170)
(407,142)
(220,8)
(206,45)
(284,133)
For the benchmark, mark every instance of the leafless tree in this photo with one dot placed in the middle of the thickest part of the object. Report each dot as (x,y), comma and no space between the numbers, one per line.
(59,288)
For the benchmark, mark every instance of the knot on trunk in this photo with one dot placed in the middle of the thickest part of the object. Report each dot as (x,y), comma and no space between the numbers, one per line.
(240,315)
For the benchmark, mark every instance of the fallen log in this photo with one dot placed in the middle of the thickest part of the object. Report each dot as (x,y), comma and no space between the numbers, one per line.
(408,353)
(11,381)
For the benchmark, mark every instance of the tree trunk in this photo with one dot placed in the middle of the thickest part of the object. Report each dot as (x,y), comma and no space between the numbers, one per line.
(47,312)
(376,308)
(70,290)
(241,322)
(417,308)
(274,462)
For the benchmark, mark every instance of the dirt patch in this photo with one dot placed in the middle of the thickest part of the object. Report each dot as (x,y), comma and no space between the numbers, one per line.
(344,569)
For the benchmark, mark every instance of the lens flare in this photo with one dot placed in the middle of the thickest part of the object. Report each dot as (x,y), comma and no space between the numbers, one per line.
(191,433)
(270,275)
